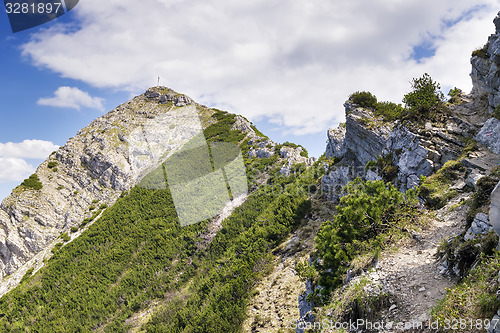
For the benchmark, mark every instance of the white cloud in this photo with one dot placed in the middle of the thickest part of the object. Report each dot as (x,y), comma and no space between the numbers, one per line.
(14,169)
(13,166)
(72,97)
(32,149)
(292,61)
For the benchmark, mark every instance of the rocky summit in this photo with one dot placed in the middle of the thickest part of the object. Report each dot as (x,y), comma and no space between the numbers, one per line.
(165,215)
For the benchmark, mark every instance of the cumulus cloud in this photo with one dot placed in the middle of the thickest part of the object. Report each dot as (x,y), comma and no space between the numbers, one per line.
(33,149)
(14,169)
(13,164)
(292,62)
(72,97)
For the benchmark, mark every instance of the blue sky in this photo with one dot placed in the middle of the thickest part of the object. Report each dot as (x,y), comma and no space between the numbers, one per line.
(288,68)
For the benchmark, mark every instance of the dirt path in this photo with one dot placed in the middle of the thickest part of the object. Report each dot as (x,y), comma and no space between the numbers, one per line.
(412,274)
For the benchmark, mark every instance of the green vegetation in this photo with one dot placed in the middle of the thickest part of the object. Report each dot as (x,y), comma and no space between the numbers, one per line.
(137,255)
(435,189)
(354,302)
(455,96)
(28,274)
(137,252)
(496,113)
(384,165)
(481,52)
(65,237)
(480,201)
(33,182)
(221,130)
(365,99)
(423,101)
(259,133)
(365,217)
(463,255)
(51,164)
(425,97)
(475,296)
(390,111)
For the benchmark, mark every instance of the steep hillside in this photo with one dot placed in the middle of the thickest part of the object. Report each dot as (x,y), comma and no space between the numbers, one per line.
(168,216)
(185,238)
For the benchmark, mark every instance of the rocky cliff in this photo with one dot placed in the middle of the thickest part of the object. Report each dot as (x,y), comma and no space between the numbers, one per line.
(408,152)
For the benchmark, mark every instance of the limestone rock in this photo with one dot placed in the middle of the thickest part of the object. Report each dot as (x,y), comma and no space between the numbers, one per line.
(293,155)
(490,135)
(260,153)
(485,69)
(480,225)
(336,142)
(473,178)
(412,159)
(243,125)
(364,137)
(182,100)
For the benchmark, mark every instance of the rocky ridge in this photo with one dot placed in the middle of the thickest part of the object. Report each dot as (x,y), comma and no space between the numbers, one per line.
(92,170)
(412,152)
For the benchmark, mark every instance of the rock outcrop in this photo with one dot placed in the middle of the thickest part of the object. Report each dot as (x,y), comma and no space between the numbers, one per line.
(411,153)
(490,135)
(486,68)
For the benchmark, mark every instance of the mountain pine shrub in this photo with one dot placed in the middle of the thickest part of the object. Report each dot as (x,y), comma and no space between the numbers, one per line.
(33,182)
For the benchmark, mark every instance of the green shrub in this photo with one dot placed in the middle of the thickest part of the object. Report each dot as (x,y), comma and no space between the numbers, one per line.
(424,97)
(481,52)
(367,211)
(33,182)
(137,253)
(65,237)
(455,92)
(390,111)
(364,99)
(435,189)
(455,95)
(52,164)
(74,229)
(384,165)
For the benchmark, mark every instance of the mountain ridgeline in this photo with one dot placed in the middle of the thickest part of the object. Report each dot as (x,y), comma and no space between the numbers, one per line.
(168,216)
